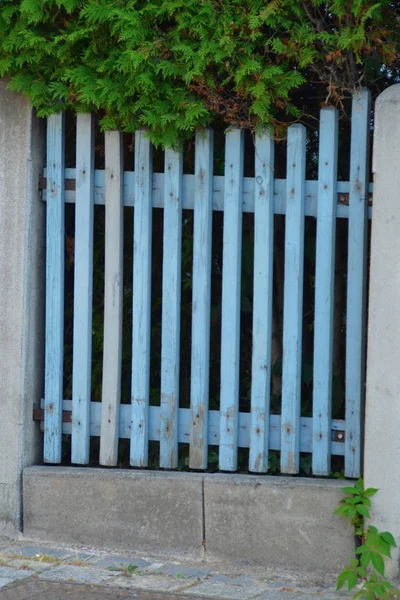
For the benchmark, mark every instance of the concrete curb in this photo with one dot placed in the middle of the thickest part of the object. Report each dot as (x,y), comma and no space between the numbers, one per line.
(282,522)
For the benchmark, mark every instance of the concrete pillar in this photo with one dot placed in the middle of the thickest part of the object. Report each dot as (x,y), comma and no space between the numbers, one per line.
(21,298)
(382,429)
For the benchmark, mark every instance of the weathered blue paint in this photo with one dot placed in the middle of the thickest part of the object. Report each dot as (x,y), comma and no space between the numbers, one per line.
(113,291)
(201,300)
(324,291)
(262,303)
(204,193)
(293,300)
(356,279)
(231,270)
(83,290)
(184,426)
(189,190)
(54,351)
(171,309)
(141,309)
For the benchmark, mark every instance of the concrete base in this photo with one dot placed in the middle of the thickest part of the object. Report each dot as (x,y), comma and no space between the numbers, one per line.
(273,521)
(280,521)
(149,511)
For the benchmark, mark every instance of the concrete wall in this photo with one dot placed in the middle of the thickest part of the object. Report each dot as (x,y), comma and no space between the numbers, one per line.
(278,522)
(382,428)
(21,298)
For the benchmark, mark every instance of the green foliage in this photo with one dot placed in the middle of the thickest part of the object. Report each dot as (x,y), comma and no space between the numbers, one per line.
(369,565)
(356,505)
(172,65)
(127,571)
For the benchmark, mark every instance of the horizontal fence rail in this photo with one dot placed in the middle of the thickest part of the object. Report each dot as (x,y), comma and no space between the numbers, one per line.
(326,199)
(218,190)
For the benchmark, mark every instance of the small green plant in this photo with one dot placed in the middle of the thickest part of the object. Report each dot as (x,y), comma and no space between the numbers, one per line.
(125,571)
(180,576)
(368,567)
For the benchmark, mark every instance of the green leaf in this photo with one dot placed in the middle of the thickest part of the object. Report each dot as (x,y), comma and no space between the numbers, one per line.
(342,511)
(365,559)
(370,492)
(359,485)
(350,490)
(352,580)
(363,511)
(372,529)
(378,563)
(389,539)
(342,578)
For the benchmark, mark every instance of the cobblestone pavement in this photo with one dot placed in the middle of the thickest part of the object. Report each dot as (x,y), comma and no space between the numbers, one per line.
(43,572)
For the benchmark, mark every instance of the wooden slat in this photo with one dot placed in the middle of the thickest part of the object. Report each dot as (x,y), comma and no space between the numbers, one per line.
(262,303)
(189,185)
(293,300)
(324,291)
(113,290)
(54,351)
(356,280)
(171,305)
(83,290)
(201,300)
(184,417)
(141,311)
(231,271)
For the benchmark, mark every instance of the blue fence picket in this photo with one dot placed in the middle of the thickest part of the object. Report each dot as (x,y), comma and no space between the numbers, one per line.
(141,309)
(234,194)
(55,244)
(293,300)
(113,294)
(83,286)
(231,270)
(171,306)
(324,292)
(201,302)
(356,279)
(262,303)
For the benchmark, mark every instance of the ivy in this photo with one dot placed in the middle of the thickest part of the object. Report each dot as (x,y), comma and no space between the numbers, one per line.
(172,65)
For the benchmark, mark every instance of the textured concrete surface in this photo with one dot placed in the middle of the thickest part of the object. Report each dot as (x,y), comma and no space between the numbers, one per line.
(258,520)
(140,510)
(49,572)
(382,440)
(275,521)
(21,298)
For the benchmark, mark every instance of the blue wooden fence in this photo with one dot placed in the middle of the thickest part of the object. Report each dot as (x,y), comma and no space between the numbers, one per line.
(204,193)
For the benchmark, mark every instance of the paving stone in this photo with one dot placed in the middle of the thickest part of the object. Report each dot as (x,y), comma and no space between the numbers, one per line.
(83,557)
(226,591)
(118,561)
(152,568)
(33,565)
(50,590)
(242,580)
(5,581)
(187,572)
(300,595)
(12,573)
(30,551)
(78,574)
(157,583)
(278,595)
